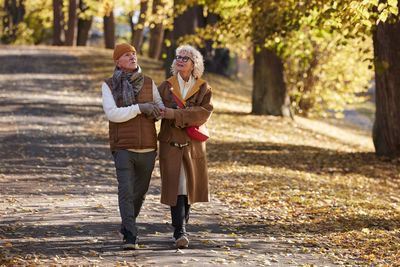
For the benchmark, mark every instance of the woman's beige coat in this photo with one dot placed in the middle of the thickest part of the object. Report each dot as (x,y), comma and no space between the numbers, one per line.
(193,156)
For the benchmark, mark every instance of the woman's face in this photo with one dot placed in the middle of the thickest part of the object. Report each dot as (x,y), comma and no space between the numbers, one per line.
(184,64)
(128,61)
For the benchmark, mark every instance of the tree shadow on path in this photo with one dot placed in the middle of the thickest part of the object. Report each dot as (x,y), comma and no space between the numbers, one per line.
(302,158)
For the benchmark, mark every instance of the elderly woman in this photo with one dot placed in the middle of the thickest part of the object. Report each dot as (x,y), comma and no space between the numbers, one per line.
(183,164)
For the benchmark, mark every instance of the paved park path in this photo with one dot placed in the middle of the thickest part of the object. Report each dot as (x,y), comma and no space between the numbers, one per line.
(58,192)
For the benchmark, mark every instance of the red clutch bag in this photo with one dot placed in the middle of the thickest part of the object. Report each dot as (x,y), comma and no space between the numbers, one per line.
(199,133)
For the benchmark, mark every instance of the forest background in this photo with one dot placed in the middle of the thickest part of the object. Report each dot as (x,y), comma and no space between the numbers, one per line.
(310,58)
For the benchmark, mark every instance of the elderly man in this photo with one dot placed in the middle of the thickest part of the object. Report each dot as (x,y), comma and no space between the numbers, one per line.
(131,102)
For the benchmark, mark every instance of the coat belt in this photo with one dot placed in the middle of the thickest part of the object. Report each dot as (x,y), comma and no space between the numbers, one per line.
(179,145)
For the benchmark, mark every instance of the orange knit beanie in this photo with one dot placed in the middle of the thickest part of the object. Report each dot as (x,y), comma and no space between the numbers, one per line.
(121,49)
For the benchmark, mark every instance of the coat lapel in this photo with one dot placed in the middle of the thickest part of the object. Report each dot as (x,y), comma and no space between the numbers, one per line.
(175,89)
(195,88)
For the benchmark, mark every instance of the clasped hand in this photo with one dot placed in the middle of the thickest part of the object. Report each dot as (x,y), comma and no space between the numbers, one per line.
(150,110)
(167,113)
(153,111)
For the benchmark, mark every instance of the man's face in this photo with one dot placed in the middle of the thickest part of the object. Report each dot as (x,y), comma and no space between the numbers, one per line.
(127,61)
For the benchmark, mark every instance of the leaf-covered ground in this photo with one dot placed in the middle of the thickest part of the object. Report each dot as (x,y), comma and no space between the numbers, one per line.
(315,181)
(303,192)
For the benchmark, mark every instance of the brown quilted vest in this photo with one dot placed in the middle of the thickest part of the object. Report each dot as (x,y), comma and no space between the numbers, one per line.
(139,132)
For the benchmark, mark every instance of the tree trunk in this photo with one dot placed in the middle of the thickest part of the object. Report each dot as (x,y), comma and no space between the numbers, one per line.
(156,35)
(185,23)
(83,26)
(156,41)
(58,22)
(270,95)
(70,38)
(269,89)
(109,31)
(386,130)
(139,32)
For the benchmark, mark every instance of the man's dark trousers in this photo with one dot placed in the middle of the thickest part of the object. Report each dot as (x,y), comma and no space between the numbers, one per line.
(133,173)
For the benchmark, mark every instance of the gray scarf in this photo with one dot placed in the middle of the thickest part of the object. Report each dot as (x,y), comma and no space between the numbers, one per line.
(126,86)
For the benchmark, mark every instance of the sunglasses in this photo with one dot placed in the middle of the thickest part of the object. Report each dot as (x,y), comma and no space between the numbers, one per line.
(184,59)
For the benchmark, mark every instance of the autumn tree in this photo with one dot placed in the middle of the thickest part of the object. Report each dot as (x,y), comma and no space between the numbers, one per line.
(14,11)
(381,18)
(245,24)
(79,22)
(354,19)
(35,26)
(253,23)
(273,21)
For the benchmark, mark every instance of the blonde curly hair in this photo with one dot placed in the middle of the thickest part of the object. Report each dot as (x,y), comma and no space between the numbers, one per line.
(195,55)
